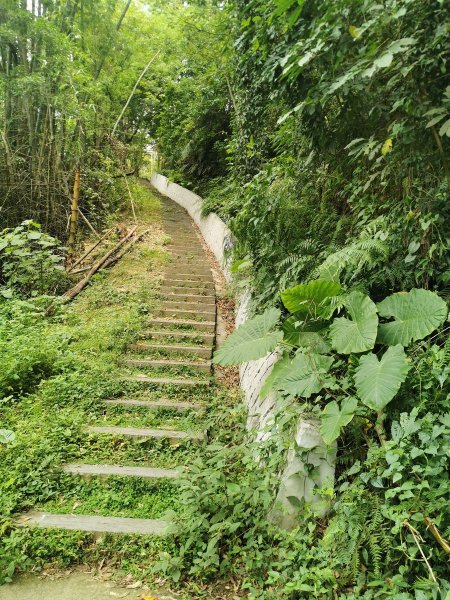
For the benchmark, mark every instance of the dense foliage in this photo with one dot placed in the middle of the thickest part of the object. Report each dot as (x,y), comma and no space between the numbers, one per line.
(319,130)
(337,183)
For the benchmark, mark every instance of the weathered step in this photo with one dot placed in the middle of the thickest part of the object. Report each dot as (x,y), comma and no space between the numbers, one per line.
(194,277)
(94,523)
(194,250)
(135,432)
(178,313)
(85,470)
(186,283)
(156,405)
(201,292)
(185,267)
(177,297)
(186,305)
(188,381)
(178,335)
(200,325)
(190,350)
(161,364)
(189,260)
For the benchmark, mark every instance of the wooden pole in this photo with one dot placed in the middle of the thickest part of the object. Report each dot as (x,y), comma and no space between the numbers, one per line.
(133,90)
(73,218)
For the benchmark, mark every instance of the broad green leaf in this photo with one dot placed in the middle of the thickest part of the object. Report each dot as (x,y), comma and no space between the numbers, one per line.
(387,147)
(359,333)
(333,418)
(252,340)
(378,381)
(305,336)
(277,373)
(445,129)
(310,297)
(7,436)
(417,314)
(305,376)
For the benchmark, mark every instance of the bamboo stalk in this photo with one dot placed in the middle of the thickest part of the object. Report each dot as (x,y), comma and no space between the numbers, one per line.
(133,90)
(86,254)
(73,218)
(70,294)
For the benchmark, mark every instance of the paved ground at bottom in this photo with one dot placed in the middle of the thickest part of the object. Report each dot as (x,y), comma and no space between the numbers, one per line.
(77,586)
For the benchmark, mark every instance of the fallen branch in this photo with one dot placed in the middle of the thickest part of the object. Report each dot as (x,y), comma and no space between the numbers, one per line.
(88,223)
(86,254)
(437,536)
(110,262)
(70,295)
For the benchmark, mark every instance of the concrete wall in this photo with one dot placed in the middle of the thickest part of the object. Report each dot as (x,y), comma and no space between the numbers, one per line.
(310,449)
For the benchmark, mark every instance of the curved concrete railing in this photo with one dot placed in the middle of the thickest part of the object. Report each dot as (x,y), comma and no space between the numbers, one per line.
(294,480)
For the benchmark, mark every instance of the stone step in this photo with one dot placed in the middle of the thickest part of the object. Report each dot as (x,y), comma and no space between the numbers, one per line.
(156,405)
(161,364)
(192,291)
(186,305)
(202,315)
(193,269)
(197,277)
(189,260)
(197,298)
(94,523)
(191,350)
(135,432)
(208,326)
(178,335)
(186,283)
(85,470)
(188,381)
(193,251)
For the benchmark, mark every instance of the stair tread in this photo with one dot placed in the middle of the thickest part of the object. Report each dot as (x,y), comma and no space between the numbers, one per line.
(143,432)
(181,322)
(168,362)
(119,470)
(172,348)
(179,332)
(94,523)
(168,380)
(164,404)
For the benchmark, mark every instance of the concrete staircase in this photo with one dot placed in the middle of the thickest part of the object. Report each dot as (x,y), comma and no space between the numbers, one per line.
(174,352)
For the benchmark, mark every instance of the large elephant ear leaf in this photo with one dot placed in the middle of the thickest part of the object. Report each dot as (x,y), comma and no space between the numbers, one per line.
(416,314)
(378,381)
(305,336)
(252,340)
(306,375)
(310,298)
(359,333)
(333,418)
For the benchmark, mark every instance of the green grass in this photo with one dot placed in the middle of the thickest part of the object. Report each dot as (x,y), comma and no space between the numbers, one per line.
(50,421)
(114,496)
